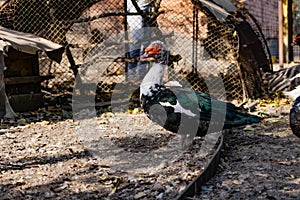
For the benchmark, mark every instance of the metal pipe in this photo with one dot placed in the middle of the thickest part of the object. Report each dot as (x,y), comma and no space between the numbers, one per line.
(126,37)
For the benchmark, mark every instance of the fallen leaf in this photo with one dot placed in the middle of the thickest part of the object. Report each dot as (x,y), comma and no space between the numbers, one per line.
(52,152)
(113,191)
(275,120)
(107,115)
(287,163)
(292,176)
(43,122)
(20,182)
(248,128)
(104,177)
(136,111)
(139,195)
(236,182)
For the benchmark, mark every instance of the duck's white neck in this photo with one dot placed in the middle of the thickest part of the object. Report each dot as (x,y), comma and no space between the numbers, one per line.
(154,76)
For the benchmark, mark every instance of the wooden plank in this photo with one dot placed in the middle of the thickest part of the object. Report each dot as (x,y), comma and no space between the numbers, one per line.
(21,64)
(25,79)
(25,102)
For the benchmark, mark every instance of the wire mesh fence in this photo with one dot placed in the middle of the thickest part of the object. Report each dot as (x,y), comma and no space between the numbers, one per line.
(209,49)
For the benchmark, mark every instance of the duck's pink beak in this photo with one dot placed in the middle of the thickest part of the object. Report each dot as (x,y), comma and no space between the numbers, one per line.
(144,56)
(296,40)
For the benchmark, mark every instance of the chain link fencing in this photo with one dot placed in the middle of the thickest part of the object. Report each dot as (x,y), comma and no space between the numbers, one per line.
(208,48)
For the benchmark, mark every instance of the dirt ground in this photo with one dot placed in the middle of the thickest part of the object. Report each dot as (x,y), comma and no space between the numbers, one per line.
(42,157)
(259,164)
(50,159)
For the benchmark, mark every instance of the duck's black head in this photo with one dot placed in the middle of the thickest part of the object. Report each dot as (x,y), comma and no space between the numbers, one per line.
(296,40)
(158,51)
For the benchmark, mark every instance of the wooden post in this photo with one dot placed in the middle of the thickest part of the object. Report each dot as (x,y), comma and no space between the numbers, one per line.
(290,31)
(280,34)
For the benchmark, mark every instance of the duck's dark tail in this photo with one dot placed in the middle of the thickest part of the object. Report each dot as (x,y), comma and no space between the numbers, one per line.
(235,117)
